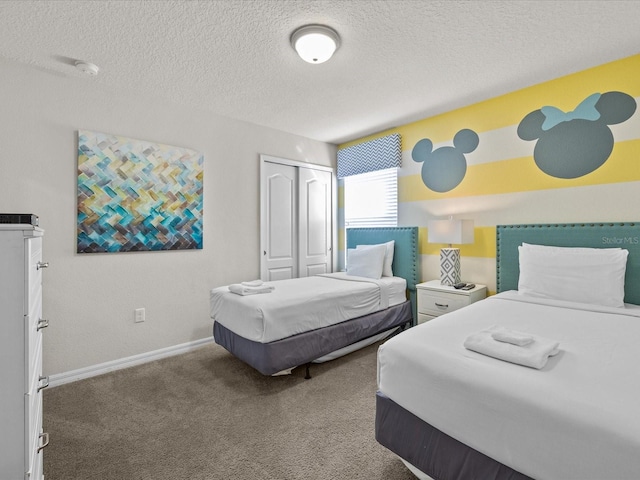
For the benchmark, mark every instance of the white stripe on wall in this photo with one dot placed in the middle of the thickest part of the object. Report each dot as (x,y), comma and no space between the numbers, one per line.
(592,203)
(504,144)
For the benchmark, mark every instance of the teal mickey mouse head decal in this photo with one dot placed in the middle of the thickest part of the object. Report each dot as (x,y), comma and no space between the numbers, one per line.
(576,143)
(443,169)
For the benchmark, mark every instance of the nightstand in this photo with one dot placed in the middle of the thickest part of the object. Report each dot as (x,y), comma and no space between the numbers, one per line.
(435,299)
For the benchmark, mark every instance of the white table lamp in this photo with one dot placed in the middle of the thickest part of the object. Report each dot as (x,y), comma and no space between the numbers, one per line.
(453,232)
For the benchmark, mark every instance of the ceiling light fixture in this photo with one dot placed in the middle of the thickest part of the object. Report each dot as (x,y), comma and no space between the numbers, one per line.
(315,43)
(87,68)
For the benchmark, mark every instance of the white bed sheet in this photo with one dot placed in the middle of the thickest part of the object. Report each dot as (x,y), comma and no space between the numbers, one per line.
(302,304)
(577,418)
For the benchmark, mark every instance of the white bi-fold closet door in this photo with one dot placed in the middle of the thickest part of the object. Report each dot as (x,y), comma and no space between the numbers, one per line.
(296,218)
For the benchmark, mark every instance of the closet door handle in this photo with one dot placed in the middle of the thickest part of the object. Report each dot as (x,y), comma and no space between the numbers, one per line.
(42,324)
(42,265)
(45,441)
(45,384)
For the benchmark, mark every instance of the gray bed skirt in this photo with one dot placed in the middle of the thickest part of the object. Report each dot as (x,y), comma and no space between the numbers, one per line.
(274,357)
(431,451)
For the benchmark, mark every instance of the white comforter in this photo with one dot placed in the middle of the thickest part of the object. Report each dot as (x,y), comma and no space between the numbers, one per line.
(302,304)
(577,418)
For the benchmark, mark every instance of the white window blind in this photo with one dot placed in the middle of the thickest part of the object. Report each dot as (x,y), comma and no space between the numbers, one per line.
(371,199)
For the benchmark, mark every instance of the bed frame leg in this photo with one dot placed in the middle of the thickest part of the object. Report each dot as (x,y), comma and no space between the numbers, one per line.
(307,375)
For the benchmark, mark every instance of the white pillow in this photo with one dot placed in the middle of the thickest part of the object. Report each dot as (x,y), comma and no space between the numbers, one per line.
(550,248)
(585,275)
(387,271)
(366,262)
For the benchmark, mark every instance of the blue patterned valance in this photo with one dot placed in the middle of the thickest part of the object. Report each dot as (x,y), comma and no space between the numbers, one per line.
(378,154)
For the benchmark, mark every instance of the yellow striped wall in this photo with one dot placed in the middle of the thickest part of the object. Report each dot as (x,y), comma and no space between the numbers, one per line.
(502,184)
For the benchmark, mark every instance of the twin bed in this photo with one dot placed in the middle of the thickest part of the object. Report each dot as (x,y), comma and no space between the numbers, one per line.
(321,317)
(450,412)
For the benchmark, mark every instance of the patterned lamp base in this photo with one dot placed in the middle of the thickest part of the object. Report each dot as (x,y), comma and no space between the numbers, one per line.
(449,266)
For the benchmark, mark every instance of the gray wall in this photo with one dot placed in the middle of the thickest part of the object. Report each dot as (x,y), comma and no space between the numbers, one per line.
(90,299)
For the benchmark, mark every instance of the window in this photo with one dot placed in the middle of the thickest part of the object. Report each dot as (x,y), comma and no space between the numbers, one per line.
(371,199)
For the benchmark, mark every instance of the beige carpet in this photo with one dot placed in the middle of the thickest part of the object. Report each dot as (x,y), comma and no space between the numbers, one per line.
(207,415)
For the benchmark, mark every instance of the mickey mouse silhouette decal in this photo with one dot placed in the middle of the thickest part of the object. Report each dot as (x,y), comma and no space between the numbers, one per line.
(576,143)
(444,168)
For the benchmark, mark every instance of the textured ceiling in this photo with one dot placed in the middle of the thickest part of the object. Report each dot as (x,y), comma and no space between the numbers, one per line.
(400,60)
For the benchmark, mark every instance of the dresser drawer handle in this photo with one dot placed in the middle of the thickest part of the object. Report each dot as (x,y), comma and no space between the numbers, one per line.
(42,324)
(45,384)
(45,437)
(42,265)
(441,305)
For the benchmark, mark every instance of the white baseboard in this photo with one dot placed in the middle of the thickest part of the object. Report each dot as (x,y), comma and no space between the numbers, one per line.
(94,370)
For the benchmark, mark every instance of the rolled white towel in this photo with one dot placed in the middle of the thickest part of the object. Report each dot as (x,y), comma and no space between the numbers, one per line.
(534,355)
(253,283)
(507,335)
(240,289)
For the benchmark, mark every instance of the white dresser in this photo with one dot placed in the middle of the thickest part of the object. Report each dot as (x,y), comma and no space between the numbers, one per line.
(21,379)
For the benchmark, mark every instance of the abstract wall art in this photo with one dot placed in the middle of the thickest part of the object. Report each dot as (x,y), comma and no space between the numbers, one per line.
(135,195)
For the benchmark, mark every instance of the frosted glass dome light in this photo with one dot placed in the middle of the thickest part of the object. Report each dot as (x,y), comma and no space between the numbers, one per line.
(315,43)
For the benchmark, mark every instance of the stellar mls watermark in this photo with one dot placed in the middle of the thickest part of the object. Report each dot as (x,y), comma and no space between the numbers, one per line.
(620,241)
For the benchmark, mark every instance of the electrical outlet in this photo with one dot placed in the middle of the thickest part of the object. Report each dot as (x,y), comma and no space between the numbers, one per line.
(139,315)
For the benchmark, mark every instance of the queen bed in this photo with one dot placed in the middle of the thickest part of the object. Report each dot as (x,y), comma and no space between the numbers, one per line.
(449,411)
(319,318)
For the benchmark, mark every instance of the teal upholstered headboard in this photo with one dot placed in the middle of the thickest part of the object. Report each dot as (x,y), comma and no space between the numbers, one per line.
(405,254)
(594,235)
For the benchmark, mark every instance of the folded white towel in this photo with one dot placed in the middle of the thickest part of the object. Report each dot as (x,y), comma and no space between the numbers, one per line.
(507,335)
(534,355)
(240,289)
(253,283)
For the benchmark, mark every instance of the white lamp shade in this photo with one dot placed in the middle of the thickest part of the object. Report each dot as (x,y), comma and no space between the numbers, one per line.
(453,232)
(315,43)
